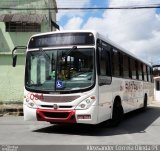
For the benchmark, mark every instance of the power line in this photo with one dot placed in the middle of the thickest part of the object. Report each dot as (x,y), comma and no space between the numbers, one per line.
(103,8)
(84,8)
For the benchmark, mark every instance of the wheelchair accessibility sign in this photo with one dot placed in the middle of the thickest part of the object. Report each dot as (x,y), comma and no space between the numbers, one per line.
(59,84)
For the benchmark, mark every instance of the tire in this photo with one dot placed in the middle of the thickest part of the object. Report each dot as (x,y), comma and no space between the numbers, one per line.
(117,114)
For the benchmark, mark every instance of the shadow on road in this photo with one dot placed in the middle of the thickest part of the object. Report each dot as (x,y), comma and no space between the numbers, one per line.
(134,122)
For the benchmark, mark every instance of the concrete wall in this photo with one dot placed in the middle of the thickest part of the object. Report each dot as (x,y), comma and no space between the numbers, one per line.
(11,79)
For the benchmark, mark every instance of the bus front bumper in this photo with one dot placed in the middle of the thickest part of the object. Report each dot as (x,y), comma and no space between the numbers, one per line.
(88,116)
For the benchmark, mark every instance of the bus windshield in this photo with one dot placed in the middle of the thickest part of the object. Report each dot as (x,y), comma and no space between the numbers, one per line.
(58,70)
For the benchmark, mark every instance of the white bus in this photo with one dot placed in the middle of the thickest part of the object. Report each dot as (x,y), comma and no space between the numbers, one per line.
(82,77)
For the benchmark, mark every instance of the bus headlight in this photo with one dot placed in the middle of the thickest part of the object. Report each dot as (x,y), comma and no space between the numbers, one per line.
(31,104)
(85,104)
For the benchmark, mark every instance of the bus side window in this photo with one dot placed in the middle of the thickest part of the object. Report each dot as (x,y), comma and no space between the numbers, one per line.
(104,66)
(149,74)
(121,64)
(144,72)
(115,63)
(134,69)
(108,61)
(137,76)
(125,66)
(140,74)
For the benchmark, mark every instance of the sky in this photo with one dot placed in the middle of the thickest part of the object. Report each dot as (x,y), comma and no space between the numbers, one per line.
(138,31)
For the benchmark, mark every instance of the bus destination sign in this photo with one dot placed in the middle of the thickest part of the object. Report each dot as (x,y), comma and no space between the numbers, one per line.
(61,39)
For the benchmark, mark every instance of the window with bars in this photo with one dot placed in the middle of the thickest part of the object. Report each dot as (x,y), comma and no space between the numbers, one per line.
(22,27)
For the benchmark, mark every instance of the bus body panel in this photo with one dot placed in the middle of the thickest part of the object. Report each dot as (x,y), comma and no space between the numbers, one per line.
(90,114)
(105,102)
(29,113)
(44,106)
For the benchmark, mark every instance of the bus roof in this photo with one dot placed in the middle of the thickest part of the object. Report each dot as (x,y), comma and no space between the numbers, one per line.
(64,31)
(97,35)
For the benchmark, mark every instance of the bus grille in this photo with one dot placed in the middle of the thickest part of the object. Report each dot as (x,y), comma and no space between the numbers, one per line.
(61,106)
(56,115)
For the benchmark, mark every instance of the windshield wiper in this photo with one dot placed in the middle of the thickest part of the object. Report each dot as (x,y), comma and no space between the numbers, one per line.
(69,51)
(41,49)
(52,63)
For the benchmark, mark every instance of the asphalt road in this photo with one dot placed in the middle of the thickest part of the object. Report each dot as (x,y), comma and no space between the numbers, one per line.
(136,128)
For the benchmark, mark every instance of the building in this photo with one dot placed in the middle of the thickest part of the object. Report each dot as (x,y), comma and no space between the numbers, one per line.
(16,26)
(19,19)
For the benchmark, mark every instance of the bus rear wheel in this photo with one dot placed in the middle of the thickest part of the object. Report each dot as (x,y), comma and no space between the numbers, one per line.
(117,114)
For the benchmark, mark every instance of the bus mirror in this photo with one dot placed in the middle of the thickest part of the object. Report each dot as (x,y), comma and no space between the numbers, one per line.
(14,56)
(14,60)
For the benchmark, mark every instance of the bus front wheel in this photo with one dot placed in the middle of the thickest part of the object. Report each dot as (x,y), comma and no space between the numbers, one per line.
(117,113)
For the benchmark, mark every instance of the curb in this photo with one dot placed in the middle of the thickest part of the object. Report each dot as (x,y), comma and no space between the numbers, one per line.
(11,109)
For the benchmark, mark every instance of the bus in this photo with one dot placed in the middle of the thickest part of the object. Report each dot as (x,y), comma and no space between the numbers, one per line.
(82,77)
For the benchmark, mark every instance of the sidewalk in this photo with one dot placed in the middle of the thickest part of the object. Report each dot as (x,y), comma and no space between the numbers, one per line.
(11,109)
(155,103)
(16,109)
